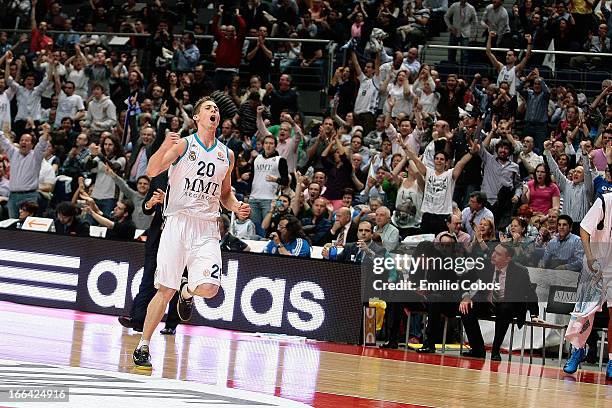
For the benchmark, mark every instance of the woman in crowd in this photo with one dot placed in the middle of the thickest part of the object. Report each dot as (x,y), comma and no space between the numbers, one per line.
(518,237)
(407,214)
(484,238)
(339,171)
(401,92)
(540,192)
(104,188)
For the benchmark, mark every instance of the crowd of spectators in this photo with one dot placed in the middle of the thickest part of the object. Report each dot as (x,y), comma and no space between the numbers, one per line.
(400,147)
(402,151)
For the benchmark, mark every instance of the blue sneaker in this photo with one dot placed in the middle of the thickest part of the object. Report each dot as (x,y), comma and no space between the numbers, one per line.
(609,371)
(577,357)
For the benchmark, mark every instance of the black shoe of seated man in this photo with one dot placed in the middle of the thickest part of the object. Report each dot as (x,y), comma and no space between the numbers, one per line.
(142,358)
(168,331)
(126,321)
(474,354)
(390,345)
(426,350)
(184,307)
(496,356)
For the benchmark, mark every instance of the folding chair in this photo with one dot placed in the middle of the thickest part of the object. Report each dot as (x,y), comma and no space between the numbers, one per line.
(561,300)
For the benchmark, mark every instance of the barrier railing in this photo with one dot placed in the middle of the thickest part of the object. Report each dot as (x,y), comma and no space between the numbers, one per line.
(470,48)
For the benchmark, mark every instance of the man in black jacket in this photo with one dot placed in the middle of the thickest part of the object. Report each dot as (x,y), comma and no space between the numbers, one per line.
(67,222)
(512,295)
(364,249)
(343,231)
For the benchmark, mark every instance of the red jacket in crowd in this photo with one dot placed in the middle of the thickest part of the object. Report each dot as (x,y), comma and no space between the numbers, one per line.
(229,51)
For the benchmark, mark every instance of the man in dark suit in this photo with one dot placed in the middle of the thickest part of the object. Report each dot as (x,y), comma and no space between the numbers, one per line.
(514,296)
(344,231)
(364,249)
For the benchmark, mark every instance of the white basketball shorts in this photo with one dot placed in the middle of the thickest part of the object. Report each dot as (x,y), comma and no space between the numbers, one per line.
(188,242)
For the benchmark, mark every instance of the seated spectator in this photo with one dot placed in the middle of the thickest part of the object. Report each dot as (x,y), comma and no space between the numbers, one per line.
(484,235)
(278,209)
(228,241)
(515,296)
(439,302)
(599,156)
(242,227)
(343,231)
(541,193)
(318,226)
(597,43)
(387,231)
(120,226)
(289,240)
(364,248)
(453,224)
(528,159)
(564,251)
(475,212)
(519,240)
(67,221)
(374,187)
(26,209)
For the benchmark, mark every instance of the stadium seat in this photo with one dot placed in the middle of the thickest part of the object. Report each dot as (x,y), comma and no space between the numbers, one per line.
(570,76)
(445,68)
(470,70)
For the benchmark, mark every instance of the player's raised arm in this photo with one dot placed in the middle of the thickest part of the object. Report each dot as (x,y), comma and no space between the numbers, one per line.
(171,149)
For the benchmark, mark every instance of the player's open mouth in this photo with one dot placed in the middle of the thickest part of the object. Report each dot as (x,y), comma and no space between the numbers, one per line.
(213,118)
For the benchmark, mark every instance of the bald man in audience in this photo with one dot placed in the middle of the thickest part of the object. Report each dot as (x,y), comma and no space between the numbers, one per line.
(344,229)
(388,233)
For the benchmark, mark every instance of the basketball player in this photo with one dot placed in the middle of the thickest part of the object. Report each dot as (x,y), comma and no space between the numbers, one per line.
(596,234)
(199,179)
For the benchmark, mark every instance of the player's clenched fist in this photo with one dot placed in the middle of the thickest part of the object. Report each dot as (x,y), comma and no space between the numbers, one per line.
(171,139)
(243,210)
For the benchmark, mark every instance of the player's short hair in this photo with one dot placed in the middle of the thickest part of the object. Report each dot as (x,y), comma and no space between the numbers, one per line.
(200,102)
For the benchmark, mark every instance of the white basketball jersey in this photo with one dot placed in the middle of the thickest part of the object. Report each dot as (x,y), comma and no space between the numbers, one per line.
(508,75)
(195,179)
